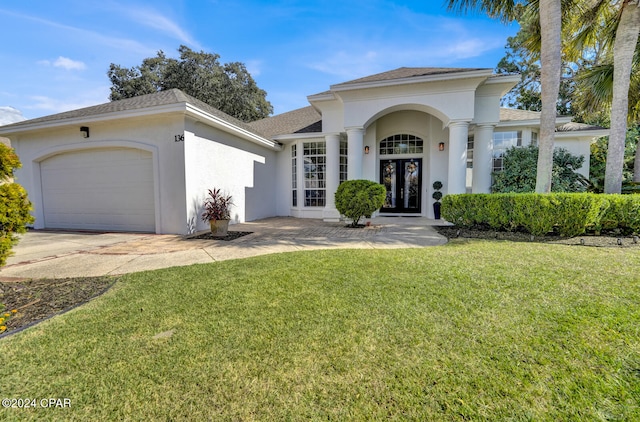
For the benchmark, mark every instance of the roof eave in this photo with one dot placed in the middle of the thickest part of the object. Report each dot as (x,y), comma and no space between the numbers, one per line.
(201,115)
(588,133)
(485,73)
(104,117)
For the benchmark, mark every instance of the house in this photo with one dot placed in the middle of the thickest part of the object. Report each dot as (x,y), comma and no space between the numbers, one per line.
(145,163)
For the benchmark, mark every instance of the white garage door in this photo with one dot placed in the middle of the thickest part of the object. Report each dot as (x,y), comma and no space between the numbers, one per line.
(99,189)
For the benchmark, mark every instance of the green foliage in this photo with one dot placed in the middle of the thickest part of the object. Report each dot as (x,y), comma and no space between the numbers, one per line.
(520,167)
(599,160)
(14,205)
(623,214)
(437,195)
(359,198)
(568,214)
(228,87)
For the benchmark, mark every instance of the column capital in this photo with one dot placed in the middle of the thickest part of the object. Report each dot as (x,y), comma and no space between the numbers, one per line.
(487,124)
(332,136)
(354,129)
(459,123)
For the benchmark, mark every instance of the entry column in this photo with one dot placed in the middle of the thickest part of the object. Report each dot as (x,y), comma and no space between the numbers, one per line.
(458,136)
(482,162)
(355,145)
(332,177)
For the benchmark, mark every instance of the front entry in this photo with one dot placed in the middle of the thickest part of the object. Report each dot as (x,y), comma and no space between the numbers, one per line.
(402,180)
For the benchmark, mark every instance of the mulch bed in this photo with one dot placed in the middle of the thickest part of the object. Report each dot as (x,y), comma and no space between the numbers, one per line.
(604,240)
(230,236)
(37,300)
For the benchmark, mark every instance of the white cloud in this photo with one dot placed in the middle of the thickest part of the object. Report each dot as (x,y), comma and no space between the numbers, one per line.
(254,67)
(10,115)
(69,64)
(48,105)
(121,44)
(65,63)
(155,20)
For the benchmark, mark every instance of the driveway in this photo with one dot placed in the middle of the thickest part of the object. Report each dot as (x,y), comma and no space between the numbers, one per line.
(47,254)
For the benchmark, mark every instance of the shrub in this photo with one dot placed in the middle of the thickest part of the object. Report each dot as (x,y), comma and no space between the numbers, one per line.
(623,213)
(569,214)
(359,198)
(520,167)
(14,205)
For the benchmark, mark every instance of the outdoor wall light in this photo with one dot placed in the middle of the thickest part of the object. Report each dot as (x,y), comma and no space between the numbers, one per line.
(366,149)
(441,146)
(85,131)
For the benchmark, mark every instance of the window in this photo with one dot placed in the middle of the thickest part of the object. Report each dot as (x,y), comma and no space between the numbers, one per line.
(314,155)
(534,139)
(343,161)
(502,141)
(401,144)
(294,175)
(469,182)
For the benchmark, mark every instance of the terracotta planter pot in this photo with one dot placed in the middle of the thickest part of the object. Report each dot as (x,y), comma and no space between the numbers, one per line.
(219,227)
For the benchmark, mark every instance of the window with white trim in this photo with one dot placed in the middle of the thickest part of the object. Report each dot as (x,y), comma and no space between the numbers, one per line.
(294,175)
(343,161)
(314,155)
(502,141)
(401,144)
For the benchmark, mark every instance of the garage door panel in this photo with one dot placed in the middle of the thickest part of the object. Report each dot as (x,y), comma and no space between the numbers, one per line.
(99,189)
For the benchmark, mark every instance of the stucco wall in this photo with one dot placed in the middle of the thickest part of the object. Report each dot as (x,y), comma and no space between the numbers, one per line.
(151,134)
(577,146)
(247,171)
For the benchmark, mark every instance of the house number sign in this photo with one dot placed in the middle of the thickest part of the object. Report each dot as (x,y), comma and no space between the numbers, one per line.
(179,138)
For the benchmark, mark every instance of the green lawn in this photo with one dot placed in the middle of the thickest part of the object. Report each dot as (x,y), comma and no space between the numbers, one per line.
(468,331)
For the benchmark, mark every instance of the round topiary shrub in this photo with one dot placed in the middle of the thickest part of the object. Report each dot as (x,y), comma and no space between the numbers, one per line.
(359,198)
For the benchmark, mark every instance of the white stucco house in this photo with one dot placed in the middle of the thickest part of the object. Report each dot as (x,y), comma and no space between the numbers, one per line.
(145,163)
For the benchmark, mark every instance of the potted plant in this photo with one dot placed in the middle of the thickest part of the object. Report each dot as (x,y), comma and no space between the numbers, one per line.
(437,195)
(217,210)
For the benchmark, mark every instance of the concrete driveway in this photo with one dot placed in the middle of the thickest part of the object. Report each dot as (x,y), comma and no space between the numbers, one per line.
(49,254)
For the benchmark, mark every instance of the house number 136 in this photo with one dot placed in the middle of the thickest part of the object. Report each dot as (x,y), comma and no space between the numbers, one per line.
(179,138)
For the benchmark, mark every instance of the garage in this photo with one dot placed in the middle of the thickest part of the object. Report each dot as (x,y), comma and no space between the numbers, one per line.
(104,189)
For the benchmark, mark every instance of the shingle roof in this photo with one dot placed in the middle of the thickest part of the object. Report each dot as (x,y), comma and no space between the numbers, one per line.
(302,120)
(574,126)
(409,72)
(156,99)
(510,114)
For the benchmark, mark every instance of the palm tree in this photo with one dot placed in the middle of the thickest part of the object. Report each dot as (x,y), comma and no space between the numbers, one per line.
(551,70)
(616,22)
(550,29)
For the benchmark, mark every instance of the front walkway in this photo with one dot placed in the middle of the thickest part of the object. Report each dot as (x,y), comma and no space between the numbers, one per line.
(46,254)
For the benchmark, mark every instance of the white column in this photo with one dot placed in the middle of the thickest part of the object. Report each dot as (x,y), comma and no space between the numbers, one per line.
(482,158)
(458,134)
(332,177)
(355,150)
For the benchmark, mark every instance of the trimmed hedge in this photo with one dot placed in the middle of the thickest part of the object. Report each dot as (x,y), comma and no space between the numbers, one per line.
(567,214)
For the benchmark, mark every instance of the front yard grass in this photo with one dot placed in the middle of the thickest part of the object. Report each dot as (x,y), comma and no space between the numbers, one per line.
(474,330)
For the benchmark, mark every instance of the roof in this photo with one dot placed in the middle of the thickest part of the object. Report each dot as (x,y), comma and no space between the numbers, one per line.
(513,114)
(156,99)
(302,120)
(409,72)
(575,127)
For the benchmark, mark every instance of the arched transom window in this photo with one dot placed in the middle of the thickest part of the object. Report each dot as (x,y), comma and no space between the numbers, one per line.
(401,144)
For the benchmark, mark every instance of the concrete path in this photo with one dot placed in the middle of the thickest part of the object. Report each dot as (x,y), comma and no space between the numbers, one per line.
(48,254)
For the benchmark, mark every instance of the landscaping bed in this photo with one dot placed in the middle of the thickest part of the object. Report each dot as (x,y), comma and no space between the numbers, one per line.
(37,300)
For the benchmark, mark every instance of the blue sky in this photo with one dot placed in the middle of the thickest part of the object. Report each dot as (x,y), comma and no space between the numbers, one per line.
(56,54)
